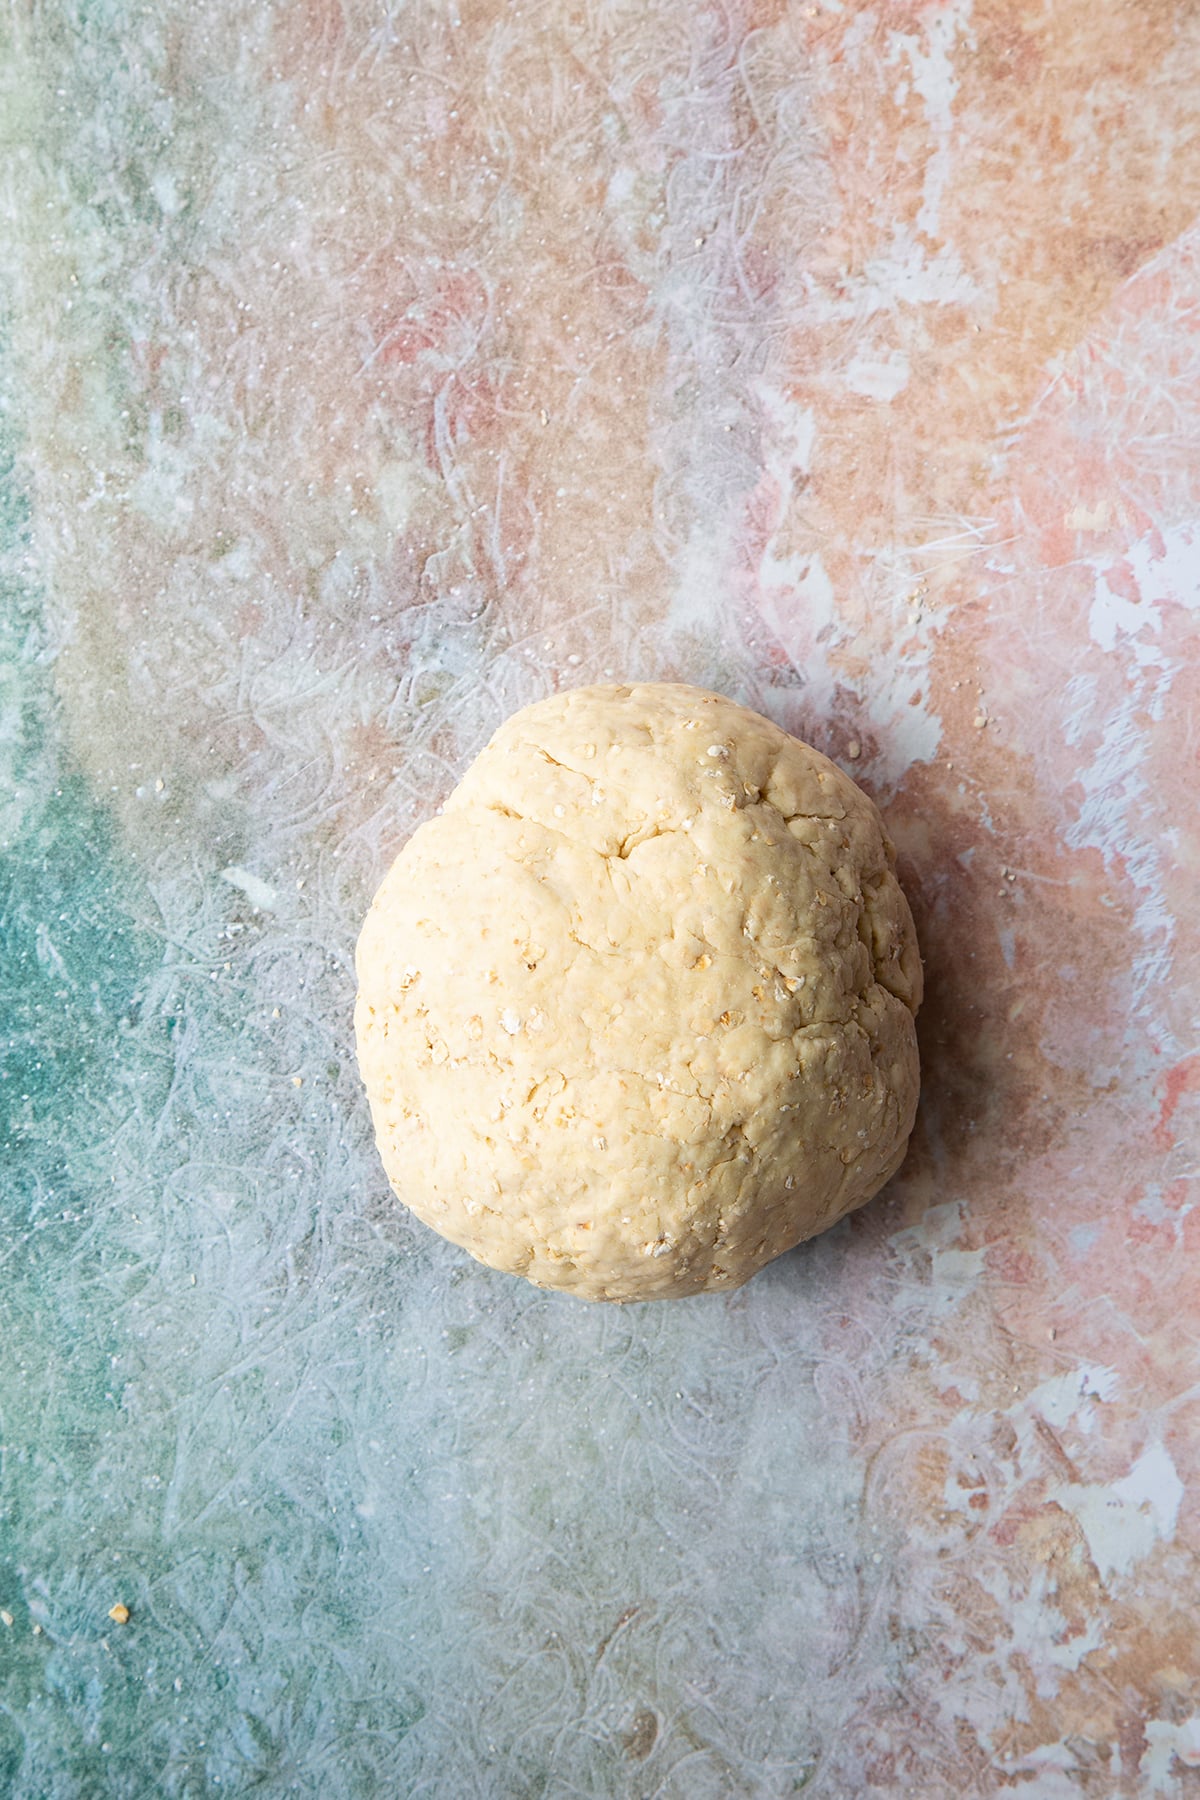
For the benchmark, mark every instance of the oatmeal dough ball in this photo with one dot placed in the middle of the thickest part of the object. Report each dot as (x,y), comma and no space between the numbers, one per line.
(635,1011)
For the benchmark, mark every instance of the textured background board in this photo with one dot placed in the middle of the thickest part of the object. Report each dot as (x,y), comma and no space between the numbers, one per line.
(368,370)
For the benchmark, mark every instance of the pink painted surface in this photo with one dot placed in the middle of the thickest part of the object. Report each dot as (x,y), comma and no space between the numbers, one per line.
(841,356)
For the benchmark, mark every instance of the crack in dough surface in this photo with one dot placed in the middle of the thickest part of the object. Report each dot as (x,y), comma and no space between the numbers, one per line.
(636,1009)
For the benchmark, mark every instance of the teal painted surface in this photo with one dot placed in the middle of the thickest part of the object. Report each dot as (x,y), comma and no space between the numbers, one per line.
(186,1379)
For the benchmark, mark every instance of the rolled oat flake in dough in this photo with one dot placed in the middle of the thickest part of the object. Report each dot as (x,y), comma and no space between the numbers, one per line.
(635,1010)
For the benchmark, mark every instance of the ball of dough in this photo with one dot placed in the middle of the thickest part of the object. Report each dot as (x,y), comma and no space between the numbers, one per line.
(635,1011)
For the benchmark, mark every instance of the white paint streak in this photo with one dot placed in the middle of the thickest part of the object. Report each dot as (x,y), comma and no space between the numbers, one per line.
(1167,568)
(1123,1520)
(789,433)
(259,893)
(878,377)
(956,1270)
(934,80)
(1115,620)
(1118,814)
(907,276)
(1166,1743)
(797,600)
(1068,1397)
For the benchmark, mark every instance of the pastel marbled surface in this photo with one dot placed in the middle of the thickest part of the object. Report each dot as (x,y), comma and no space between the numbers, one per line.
(369,370)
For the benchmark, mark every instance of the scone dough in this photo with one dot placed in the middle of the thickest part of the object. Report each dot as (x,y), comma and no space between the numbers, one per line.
(635,1010)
